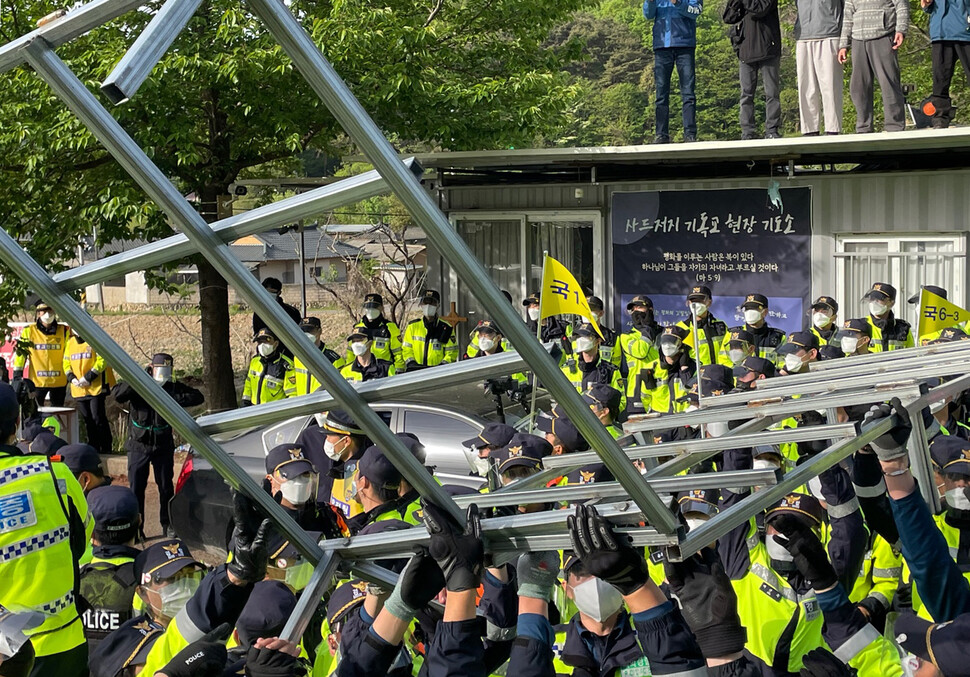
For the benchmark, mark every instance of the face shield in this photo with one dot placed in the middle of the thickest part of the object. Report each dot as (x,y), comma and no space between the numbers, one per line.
(162,374)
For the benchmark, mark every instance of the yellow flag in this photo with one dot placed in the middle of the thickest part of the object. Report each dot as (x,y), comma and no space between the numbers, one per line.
(562,295)
(936,313)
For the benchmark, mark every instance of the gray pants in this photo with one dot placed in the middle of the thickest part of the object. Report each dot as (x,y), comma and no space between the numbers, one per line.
(876,59)
(771,75)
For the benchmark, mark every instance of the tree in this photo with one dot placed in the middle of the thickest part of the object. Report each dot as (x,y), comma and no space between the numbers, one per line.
(225,98)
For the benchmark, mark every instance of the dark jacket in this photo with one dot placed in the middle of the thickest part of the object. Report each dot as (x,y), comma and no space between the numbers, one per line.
(756,34)
(148,432)
(674,24)
(259,323)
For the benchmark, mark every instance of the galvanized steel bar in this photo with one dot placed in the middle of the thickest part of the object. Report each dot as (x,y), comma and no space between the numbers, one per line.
(389,388)
(310,597)
(614,490)
(148,49)
(305,205)
(77,22)
(134,160)
(67,308)
(358,124)
(709,444)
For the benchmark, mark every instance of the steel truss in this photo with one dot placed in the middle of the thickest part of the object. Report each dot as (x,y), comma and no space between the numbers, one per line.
(629,501)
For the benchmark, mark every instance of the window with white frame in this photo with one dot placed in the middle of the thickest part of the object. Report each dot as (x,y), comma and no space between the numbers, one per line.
(904,261)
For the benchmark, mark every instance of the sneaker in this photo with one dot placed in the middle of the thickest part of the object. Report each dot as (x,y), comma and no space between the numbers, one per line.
(690,139)
(748,137)
(772,135)
(661,140)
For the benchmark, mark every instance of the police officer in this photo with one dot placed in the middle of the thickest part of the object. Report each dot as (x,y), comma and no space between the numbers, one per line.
(486,339)
(292,480)
(85,464)
(750,371)
(519,459)
(345,600)
(429,340)
(492,438)
(855,337)
(345,443)
(275,288)
(610,349)
(150,441)
(888,332)
(376,490)
(565,438)
(387,335)
(586,365)
(43,344)
(606,403)
(91,380)
(640,353)
(799,351)
(553,328)
(824,319)
(45,528)
(270,376)
(303,382)
(672,373)
(265,614)
(740,344)
(708,345)
(767,339)
(365,365)
(108,580)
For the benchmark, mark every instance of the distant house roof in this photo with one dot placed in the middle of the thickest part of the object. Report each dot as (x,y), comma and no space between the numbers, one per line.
(272,246)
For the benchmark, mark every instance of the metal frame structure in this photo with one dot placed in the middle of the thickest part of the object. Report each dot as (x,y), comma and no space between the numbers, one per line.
(828,386)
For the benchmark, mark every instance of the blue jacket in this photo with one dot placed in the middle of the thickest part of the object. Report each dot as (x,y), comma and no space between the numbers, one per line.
(674,25)
(948,20)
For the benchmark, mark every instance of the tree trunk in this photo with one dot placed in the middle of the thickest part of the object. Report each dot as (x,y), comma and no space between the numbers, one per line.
(214,306)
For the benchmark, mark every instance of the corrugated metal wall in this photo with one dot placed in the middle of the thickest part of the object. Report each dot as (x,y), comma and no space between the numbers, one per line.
(918,202)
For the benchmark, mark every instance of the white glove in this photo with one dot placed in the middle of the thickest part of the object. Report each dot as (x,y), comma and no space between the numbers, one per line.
(83,383)
(76,383)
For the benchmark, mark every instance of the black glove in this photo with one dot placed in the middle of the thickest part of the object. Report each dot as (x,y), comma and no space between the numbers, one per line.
(417,585)
(892,445)
(411,365)
(874,612)
(459,551)
(272,663)
(821,663)
(205,658)
(249,543)
(605,554)
(807,550)
(708,603)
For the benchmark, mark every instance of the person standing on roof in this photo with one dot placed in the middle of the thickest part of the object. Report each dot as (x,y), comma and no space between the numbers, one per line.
(674,43)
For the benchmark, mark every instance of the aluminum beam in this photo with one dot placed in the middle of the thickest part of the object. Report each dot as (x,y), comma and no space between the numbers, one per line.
(875,360)
(709,444)
(392,387)
(614,490)
(354,119)
(784,408)
(134,160)
(303,206)
(67,308)
(741,512)
(77,22)
(148,49)
(309,598)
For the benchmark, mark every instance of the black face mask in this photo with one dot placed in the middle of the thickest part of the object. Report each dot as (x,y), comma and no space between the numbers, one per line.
(642,317)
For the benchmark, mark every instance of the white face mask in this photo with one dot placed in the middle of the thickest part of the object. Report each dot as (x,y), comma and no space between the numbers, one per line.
(266,349)
(821,320)
(312,337)
(849,345)
(878,308)
(717,428)
(297,490)
(938,406)
(694,523)
(752,316)
(736,355)
(479,464)
(583,344)
(597,599)
(793,363)
(429,310)
(815,488)
(698,308)
(161,375)
(177,594)
(372,313)
(486,344)
(47,318)
(359,347)
(763,464)
(957,499)
(533,313)
(329,448)
(670,349)
(776,551)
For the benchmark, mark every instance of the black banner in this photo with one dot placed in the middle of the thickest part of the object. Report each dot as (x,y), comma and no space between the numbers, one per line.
(735,241)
